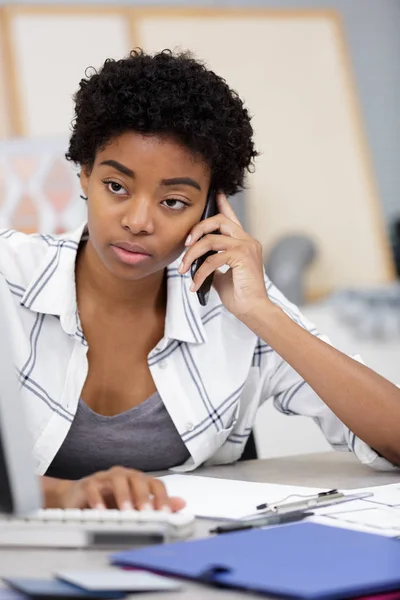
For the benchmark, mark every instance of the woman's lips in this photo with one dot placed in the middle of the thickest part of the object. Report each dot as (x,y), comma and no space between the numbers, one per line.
(129,257)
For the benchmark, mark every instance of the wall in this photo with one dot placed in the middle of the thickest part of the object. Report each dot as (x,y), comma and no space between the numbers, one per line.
(372,28)
(314,175)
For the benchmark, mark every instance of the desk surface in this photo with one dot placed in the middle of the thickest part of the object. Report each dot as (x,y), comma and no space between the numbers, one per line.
(330,470)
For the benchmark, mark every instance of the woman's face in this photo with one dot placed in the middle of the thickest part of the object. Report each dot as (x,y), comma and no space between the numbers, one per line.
(145,193)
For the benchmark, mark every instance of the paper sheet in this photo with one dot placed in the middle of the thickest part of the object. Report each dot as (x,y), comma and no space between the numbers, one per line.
(346,507)
(386,495)
(381,518)
(371,521)
(214,498)
(379,513)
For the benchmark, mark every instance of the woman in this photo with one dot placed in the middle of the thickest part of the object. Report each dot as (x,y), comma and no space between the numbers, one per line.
(122,370)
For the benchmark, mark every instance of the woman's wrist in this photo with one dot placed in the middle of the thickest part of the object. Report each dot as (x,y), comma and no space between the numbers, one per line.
(261,315)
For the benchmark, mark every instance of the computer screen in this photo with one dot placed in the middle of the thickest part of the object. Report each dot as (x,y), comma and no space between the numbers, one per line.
(19,487)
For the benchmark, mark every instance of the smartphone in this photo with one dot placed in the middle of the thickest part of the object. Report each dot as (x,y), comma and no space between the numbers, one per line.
(210,210)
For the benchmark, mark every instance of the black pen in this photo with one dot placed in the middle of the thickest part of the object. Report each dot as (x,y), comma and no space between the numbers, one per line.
(263,522)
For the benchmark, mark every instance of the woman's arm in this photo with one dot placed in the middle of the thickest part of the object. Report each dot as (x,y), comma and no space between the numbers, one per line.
(365,402)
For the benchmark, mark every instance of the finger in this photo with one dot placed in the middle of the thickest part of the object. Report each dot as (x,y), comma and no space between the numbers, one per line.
(209,242)
(93,495)
(121,488)
(211,264)
(226,209)
(161,499)
(177,503)
(219,279)
(141,491)
(217,223)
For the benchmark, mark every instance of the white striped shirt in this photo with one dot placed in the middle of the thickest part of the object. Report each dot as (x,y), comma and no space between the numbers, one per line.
(211,371)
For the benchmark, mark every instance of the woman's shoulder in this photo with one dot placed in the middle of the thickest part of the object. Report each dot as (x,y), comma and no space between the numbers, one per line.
(22,253)
(14,244)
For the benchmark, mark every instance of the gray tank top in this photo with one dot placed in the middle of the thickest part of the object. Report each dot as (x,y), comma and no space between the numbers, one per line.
(143,438)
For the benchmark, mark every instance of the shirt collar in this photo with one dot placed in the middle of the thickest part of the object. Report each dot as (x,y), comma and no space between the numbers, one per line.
(52,290)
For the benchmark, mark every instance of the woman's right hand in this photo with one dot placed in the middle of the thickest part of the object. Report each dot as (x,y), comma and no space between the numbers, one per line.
(117,487)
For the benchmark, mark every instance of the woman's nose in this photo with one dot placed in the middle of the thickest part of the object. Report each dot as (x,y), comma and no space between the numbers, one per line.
(138,217)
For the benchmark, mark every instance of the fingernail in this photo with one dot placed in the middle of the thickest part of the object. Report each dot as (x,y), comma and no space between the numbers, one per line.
(100,506)
(188,240)
(192,287)
(146,506)
(180,267)
(165,509)
(127,505)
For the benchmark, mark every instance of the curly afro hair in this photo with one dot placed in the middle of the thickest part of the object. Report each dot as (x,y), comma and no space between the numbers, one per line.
(170,95)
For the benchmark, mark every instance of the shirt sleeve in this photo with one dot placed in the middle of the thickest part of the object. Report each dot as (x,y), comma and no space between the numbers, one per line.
(293,396)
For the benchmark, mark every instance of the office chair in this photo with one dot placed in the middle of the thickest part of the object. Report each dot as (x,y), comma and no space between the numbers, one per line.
(250,449)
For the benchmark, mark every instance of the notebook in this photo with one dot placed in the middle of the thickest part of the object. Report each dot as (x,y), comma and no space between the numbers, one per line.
(302,560)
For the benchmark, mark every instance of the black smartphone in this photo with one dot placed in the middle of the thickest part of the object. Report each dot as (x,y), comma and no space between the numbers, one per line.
(210,210)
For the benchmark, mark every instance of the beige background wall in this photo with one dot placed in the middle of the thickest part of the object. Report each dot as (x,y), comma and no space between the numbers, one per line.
(313,176)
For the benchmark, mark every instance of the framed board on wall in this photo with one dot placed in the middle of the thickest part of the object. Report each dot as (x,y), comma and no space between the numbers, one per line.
(5,124)
(314,175)
(50,50)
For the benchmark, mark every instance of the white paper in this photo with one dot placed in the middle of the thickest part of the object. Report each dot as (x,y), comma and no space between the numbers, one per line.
(214,498)
(336,521)
(381,518)
(345,507)
(384,521)
(118,580)
(386,495)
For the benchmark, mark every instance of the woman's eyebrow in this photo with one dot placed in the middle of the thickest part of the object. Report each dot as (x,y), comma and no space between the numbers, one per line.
(181,181)
(173,181)
(119,167)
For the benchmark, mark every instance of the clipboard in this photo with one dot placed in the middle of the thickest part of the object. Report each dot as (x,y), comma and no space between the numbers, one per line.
(302,560)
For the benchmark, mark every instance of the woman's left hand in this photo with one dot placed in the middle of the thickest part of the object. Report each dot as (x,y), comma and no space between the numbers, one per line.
(242,287)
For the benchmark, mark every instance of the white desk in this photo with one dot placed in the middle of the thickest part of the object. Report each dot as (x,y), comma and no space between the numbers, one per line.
(330,470)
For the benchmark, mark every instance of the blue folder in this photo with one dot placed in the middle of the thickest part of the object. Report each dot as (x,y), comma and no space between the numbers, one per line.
(302,560)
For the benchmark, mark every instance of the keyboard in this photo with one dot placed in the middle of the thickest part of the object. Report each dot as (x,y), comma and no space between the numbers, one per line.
(70,528)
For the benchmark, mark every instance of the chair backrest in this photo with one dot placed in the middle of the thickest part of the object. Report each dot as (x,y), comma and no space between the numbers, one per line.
(250,450)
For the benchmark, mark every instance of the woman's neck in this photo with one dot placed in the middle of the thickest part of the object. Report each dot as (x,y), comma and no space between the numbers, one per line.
(112,293)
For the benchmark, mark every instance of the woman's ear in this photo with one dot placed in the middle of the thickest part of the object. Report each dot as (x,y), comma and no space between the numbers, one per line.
(84,179)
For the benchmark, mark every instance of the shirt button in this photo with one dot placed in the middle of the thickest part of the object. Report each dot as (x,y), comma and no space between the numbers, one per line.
(189,426)
(163,364)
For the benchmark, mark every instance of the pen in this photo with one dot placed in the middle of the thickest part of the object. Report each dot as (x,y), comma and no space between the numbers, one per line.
(262,522)
(329,493)
(318,501)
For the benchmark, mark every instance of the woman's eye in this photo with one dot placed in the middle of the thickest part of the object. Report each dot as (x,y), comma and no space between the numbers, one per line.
(174,203)
(115,188)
